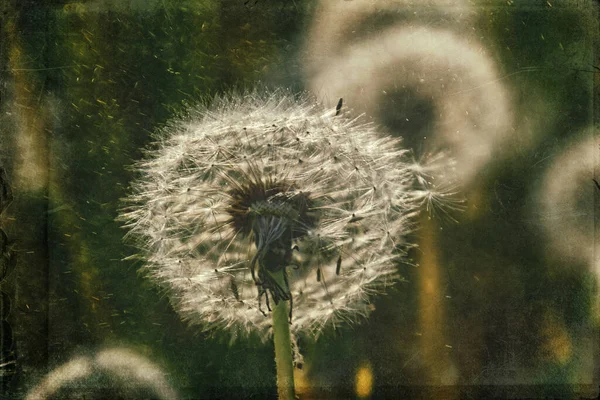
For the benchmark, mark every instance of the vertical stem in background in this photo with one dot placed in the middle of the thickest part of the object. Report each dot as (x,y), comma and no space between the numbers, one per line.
(432,311)
(283,346)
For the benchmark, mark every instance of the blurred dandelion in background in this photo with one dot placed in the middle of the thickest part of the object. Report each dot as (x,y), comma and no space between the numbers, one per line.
(341,22)
(424,81)
(261,183)
(117,373)
(566,201)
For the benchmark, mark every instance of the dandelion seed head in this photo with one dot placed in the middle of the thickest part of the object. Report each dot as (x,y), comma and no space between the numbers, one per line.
(282,178)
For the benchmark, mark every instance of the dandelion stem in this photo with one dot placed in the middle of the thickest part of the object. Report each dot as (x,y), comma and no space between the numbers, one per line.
(283,347)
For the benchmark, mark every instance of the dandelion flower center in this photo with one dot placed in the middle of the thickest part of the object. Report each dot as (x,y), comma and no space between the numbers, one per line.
(267,198)
(274,214)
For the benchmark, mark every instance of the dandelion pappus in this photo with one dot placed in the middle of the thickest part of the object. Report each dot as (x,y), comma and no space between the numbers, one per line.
(267,222)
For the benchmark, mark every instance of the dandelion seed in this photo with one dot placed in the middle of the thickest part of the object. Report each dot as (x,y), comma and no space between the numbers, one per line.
(441,195)
(338,107)
(222,205)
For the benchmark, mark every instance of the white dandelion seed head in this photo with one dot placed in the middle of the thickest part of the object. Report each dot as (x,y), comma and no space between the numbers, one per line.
(329,192)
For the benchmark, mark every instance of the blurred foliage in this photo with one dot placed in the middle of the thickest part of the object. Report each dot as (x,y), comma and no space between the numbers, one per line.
(103,75)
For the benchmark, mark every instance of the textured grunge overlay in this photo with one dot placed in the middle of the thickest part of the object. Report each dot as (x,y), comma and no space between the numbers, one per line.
(424,172)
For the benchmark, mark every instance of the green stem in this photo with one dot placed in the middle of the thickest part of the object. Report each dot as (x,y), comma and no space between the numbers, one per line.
(283,347)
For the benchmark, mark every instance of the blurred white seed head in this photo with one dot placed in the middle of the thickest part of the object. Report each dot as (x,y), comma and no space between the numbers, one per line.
(111,373)
(384,58)
(565,201)
(282,178)
(339,23)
